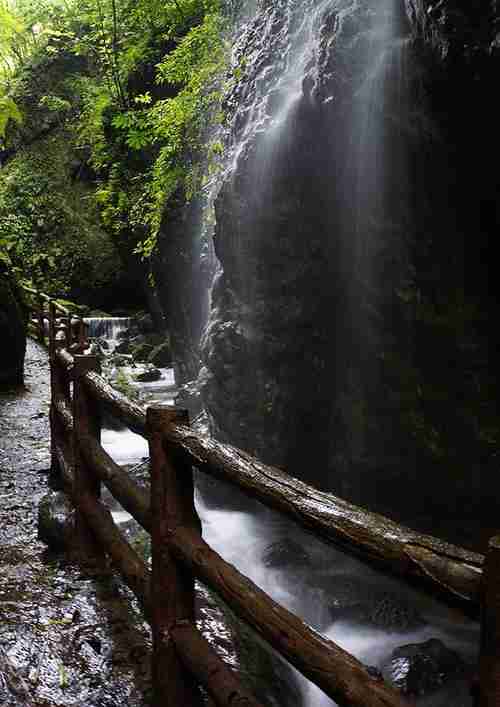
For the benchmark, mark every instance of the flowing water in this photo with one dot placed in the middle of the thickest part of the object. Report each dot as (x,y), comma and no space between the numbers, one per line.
(316,582)
(314,579)
(107,327)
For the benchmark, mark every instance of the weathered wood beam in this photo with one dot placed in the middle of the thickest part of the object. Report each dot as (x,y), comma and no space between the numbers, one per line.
(64,414)
(336,672)
(172,586)
(204,664)
(116,403)
(133,570)
(86,422)
(449,571)
(65,359)
(489,655)
(131,496)
(65,462)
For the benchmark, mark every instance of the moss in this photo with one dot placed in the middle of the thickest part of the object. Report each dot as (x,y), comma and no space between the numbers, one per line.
(142,352)
(12,332)
(161,355)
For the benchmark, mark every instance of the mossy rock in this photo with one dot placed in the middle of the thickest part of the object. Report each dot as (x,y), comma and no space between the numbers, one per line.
(161,356)
(13,332)
(56,521)
(149,375)
(142,352)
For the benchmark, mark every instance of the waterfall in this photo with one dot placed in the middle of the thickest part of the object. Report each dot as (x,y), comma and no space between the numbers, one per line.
(107,327)
(311,235)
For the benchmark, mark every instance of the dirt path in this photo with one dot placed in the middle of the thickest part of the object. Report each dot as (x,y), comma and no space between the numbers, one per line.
(67,635)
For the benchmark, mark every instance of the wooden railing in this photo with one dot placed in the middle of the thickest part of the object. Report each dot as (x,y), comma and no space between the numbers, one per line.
(182,658)
(46,312)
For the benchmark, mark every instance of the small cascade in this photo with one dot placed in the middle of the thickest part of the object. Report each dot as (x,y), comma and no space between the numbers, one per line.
(107,327)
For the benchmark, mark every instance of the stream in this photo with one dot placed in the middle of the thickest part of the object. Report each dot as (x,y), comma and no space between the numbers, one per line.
(364,611)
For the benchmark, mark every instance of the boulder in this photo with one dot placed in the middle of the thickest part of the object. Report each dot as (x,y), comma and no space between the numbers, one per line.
(102,343)
(56,521)
(421,668)
(286,554)
(123,347)
(120,360)
(12,333)
(144,323)
(148,375)
(142,352)
(161,356)
(362,603)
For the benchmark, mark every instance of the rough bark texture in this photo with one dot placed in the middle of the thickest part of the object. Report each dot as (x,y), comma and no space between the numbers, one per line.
(450,571)
(335,671)
(117,404)
(130,495)
(489,658)
(86,420)
(210,671)
(172,588)
(133,570)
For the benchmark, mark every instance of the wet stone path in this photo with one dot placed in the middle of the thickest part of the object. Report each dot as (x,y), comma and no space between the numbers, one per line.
(68,635)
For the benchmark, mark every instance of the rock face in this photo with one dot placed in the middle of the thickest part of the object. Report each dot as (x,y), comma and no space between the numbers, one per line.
(343,340)
(12,333)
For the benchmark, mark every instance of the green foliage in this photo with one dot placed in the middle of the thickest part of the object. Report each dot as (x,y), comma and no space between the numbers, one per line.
(8,111)
(133,86)
(146,148)
(48,226)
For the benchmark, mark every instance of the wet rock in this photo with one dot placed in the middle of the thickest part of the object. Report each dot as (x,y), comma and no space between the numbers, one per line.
(422,668)
(123,347)
(145,324)
(142,352)
(148,375)
(56,517)
(12,333)
(286,554)
(14,691)
(362,603)
(161,356)
(102,343)
(96,349)
(120,360)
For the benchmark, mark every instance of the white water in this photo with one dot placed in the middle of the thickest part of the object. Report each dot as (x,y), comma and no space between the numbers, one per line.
(242,539)
(107,327)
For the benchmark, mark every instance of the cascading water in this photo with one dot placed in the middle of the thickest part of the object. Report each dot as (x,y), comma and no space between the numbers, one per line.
(310,235)
(107,327)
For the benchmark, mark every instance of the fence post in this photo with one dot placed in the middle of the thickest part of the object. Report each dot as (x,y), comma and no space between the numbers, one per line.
(82,338)
(172,587)
(59,389)
(489,656)
(41,323)
(86,421)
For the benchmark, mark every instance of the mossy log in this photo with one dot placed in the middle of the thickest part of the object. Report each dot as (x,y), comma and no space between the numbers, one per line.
(117,404)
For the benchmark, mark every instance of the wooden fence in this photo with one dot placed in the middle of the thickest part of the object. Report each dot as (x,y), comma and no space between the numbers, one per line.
(182,659)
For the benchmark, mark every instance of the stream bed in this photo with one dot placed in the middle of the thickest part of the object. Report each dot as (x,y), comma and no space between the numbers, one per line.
(72,635)
(367,613)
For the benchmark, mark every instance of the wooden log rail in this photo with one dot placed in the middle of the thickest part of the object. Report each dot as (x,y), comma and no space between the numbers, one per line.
(50,319)
(182,658)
